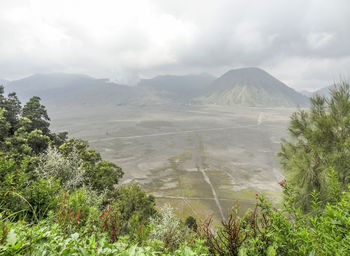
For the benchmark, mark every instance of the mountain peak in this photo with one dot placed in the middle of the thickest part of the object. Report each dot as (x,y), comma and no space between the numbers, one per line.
(246,69)
(250,72)
(252,87)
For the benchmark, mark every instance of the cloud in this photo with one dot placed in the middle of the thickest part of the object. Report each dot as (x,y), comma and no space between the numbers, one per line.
(303,43)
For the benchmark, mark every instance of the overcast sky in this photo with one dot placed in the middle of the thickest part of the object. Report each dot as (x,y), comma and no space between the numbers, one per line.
(305,44)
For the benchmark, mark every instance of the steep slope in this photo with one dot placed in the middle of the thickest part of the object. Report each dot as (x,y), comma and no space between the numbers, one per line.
(251,87)
(177,88)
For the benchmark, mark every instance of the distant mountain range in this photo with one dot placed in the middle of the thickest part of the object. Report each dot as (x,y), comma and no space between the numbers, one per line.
(181,88)
(70,89)
(323,92)
(246,86)
(306,93)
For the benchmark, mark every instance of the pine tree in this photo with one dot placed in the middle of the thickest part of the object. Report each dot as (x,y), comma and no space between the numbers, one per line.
(319,142)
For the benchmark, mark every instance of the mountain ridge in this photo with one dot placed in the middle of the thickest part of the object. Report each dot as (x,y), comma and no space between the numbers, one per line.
(179,87)
(246,86)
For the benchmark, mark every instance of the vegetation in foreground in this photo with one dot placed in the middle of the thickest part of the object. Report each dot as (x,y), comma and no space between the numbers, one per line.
(59,197)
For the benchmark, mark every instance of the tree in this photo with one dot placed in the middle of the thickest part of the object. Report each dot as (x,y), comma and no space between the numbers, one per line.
(105,175)
(37,113)
(67,169)
(4,126)
(87,154)
(131,200)
(25,141)
(13,109)
(99,174)
(59,138)
(319,142)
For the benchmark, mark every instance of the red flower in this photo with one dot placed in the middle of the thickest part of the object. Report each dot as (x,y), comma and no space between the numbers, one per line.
(282,182)
(256,195)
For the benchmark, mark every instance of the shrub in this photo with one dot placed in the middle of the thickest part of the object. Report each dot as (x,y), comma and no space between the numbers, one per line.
(167,228)
(131,200)
(66,168)
(79,209)
(20,193)
(191,223)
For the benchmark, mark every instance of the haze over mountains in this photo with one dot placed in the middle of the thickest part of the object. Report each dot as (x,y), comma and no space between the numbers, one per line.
(71,89)
(178,87)
(326,91)
(246,87)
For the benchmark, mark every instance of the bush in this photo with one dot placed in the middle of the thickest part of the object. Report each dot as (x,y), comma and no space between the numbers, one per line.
(167,228)
(20,193)
(131,200)
(40,197)
(68,169)
(99,174)
(79,209)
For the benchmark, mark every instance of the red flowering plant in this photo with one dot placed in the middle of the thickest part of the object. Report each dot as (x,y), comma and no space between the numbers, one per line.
(282,182)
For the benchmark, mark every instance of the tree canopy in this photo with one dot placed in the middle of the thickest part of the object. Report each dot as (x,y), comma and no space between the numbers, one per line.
(319,145)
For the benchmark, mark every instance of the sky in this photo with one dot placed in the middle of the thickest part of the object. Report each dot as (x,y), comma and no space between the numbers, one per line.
(304,43)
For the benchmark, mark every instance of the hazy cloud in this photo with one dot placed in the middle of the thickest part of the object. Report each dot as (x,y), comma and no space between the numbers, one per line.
(304,43)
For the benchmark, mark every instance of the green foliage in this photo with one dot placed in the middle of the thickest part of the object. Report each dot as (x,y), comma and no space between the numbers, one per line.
(68,169)
(59,197)
(78,209)
(19,193)
(191,223)
(320,140)
(99,174)
(46,238)
(41,196)
(37,141)
(167,228)
(12,107)
(269,231)
(37,114)
(104,175)
(4,126)
(228,238)
(131,200)
(59,138)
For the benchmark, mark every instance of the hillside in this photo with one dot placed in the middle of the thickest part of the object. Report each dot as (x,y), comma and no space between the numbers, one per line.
(324,91)
(306,93)
(251,87)
(71,89)
(179,88)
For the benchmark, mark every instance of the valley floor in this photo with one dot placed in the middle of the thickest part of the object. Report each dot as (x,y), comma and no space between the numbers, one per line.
(203,160)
